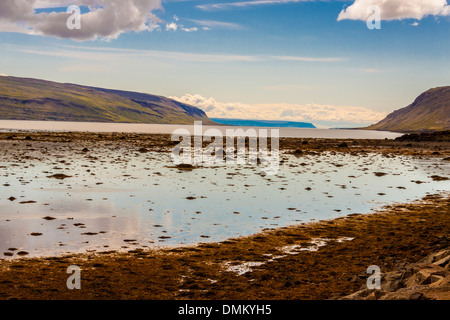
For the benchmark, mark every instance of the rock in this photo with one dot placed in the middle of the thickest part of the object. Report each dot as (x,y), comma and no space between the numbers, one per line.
(436,280)
(185,166)
(443,263)
(407,272)
(35,234)
(439,178)
(423,276)
(436,256)
(391,286)
(59,176)
(429,279)
(391,276)
(380,174)
(417,296)
(359,295)
(375,295)
(404,294)
(343,145)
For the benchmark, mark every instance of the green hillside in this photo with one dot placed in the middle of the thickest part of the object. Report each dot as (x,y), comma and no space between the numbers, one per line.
(32,99)
(429,112)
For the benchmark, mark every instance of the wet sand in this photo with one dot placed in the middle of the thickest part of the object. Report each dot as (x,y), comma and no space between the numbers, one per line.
(321,260)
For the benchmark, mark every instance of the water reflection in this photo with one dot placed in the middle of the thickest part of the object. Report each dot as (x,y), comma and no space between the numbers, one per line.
(6,125)
(137,200)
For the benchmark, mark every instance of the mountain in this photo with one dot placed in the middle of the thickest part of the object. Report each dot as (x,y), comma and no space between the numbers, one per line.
(33,99)
(263,123)
(429,112)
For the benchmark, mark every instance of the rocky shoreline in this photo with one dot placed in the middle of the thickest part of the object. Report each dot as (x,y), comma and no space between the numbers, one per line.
(428,279)
(315,261)
(311,261)
(417,145)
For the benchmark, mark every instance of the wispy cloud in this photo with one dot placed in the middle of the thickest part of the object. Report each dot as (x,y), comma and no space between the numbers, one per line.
(372,70)
(309,59)
(111,54)
(244,4)
(218,24)
(85,68)
(290,87)
(104,53)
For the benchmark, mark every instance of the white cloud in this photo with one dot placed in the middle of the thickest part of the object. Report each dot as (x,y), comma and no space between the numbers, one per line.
(171,26)
(174,26)
(193,29)
(396,9)
(282,111)
(107,19)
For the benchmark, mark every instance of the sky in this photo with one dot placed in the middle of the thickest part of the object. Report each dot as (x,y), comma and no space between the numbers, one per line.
(296,60)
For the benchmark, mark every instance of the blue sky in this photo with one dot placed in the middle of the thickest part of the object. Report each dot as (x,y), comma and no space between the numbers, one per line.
(270,59)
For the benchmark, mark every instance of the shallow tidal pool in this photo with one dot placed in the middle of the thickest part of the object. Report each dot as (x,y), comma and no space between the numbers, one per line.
(62,201)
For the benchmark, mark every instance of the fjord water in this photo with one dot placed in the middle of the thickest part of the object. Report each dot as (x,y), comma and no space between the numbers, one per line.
(117,200)
(6,125)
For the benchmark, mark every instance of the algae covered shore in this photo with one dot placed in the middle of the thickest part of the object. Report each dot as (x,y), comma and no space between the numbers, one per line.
(318,260)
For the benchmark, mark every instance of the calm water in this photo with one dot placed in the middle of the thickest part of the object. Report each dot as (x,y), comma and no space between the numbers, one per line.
(6,125)
(116,200)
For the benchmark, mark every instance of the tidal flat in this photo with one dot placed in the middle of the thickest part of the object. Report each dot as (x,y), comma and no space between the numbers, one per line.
(118,199)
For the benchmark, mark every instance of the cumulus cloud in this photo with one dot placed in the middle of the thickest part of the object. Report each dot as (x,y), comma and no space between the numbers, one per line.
(174,26)
(396,9)
(282,111)
(106,19)
(171,26)
(193,29)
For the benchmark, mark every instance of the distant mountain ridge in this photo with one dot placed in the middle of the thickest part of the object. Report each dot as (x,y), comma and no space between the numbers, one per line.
(263,123)
(429,112)
(33,99)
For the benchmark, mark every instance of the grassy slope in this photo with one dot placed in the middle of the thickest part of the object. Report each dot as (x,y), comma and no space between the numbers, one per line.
(32,99)
(429,112)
